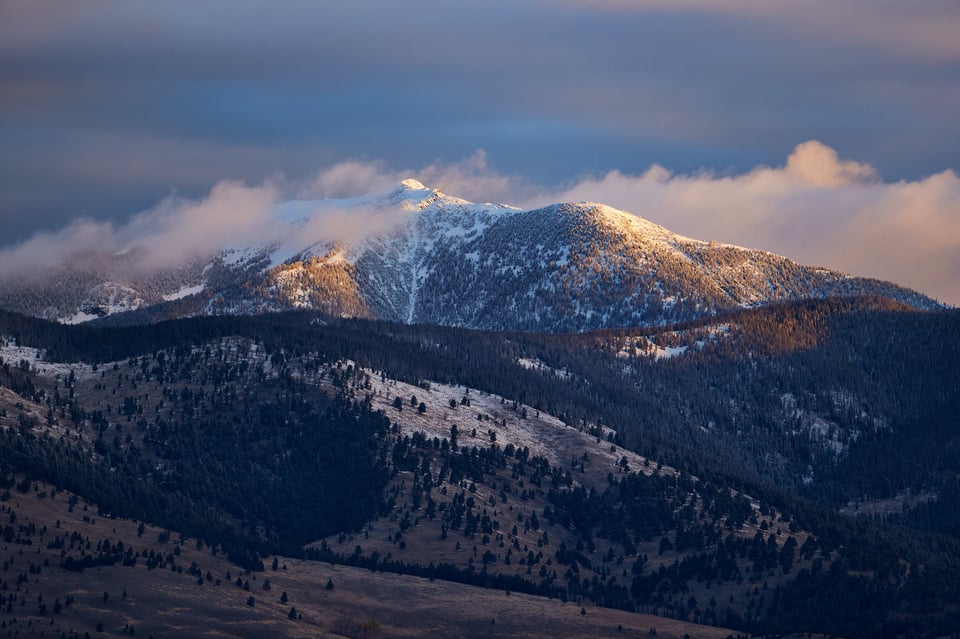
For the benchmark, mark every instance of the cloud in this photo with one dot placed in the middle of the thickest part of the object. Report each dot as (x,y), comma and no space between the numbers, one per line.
(231,215)
(349,179)
(167,234)
(46,249)
(816,209)
(471,178)
(817,165)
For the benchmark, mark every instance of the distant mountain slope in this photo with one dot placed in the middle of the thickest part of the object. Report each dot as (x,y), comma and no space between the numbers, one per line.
(431,258)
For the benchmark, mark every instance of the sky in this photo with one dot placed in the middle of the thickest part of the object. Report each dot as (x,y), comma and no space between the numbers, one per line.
(822,130)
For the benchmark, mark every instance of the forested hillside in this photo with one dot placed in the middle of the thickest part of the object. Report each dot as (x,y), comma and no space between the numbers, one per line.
(694,471)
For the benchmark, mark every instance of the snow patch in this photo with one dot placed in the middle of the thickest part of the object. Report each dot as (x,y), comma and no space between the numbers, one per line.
(79,318)
(14,355)
(511,423)
(186,291)
(412,184)
(540,365)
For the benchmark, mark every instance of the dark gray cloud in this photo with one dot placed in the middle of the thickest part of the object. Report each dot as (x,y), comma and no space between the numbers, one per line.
(107,107)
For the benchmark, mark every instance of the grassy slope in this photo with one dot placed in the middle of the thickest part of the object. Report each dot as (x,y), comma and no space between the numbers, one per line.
(163,602)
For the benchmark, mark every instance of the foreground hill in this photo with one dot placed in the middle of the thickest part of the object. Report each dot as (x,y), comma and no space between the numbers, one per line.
(73,571)
(632,469)
(416,255)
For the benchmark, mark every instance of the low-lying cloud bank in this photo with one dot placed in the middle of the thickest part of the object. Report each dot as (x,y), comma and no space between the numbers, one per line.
(817,209)
(176,229)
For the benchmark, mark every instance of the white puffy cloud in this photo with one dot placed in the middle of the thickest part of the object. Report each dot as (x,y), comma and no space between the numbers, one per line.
(816,164)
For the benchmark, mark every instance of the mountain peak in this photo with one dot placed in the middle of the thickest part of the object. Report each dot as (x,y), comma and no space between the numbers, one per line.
(411,184)
(414,254)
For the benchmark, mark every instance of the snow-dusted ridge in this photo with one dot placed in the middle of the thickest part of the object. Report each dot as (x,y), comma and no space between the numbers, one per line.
(414,254)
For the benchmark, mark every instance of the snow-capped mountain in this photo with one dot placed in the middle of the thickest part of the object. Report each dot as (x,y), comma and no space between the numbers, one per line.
(416,255)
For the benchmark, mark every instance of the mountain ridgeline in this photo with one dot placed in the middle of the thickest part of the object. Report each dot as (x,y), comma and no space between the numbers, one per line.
(435,259)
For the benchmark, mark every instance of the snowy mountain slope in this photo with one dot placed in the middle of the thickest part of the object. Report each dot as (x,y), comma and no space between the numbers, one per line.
(416,255)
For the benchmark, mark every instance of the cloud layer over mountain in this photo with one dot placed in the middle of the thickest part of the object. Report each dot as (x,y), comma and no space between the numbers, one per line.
(815,208)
